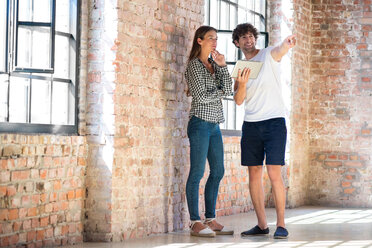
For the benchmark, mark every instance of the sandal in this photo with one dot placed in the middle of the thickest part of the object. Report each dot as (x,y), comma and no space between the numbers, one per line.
(205,232)
(217,227)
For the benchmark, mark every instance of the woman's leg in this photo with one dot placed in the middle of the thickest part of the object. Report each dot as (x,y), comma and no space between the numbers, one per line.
(199,141)
(216,165)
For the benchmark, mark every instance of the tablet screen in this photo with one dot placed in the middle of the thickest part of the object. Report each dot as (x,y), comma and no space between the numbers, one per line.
(255,67)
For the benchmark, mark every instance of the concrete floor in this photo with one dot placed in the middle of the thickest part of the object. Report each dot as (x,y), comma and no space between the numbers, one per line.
(308,227)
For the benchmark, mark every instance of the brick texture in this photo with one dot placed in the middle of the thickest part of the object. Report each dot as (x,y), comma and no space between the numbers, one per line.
(299,117)
(41,190)
(340,106)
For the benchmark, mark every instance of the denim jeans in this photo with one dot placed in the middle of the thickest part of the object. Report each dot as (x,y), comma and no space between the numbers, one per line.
(205,142)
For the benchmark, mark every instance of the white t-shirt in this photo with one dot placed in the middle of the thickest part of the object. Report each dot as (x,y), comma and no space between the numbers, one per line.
(264,99)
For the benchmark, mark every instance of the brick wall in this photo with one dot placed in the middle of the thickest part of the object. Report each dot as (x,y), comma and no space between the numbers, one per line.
(299,138)
(41,190)
(130,163)
(150,159)
(340,106)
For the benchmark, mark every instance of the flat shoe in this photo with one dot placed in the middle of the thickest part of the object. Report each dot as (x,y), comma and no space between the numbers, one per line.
(255,231)
(206,232)
(280,233)
(224,231)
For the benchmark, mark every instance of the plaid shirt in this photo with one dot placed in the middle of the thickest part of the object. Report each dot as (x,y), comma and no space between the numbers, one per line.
(207,90)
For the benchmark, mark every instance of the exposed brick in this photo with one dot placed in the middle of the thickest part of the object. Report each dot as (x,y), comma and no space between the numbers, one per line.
(349,190)
(333,163)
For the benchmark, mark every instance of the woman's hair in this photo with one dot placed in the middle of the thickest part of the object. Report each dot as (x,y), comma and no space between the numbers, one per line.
(199,33)
(243,29)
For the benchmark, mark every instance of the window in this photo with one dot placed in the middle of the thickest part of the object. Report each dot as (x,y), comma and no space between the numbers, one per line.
(38,66)
(224,15)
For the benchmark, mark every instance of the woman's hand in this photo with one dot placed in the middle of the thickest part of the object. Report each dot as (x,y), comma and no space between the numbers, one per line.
(218,58)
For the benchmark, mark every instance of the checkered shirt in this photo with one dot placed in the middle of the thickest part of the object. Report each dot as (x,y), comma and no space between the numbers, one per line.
(207,90)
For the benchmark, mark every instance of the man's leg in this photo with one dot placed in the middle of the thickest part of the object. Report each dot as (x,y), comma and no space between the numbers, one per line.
(274,172)
(257,194)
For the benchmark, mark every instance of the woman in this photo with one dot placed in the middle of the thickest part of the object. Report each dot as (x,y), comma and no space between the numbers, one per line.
(208,82)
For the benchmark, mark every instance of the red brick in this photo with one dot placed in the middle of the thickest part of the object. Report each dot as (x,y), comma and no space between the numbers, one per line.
(53,197)
(31,235)
(346,184)
(349,190)
(79,193)
(20,175)
(40,234)
(353,164)
(3,191)
(11,190)
(23,213)
(16,226)
(26,225)
(43,174)
(4,214)
(44,221)
(32,212)
(13,214)
(35,222)
(333,163)
(4,241)
(71,195)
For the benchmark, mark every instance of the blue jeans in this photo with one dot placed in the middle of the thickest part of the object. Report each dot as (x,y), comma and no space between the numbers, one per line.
(205,142)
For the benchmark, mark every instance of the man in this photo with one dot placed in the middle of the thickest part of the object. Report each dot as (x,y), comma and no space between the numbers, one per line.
(264,130)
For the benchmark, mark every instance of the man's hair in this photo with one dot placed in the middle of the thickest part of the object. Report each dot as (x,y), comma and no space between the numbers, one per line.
(243,29)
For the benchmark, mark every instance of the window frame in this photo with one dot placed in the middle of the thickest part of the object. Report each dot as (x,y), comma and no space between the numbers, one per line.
(73,82)
(52,27)
(234,132)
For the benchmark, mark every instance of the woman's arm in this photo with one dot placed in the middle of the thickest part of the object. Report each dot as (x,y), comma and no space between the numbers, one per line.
(195,77)
(222,73)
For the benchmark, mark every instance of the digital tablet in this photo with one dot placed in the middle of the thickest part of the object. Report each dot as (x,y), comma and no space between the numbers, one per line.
(255,67)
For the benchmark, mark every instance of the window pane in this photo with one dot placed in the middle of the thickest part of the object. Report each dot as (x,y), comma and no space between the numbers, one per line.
(260,42)
(62,57)
(3,97)
(226,47)
(3,21)
(250,4)
(63,16)
(224,16)
(34,10)
(230,115)
(60,103)
(239,116)
(40,101)
(233,13)
(242,18)
(243,3)
(224,105)
(18,99)
(206,12)
(250,18)
(33,50)
(258,6)
(214,14)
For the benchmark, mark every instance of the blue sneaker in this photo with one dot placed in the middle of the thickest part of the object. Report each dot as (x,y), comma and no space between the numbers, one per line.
(280,233)
(255,231)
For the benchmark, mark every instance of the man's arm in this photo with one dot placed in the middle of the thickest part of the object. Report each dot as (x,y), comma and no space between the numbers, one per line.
(241,85)
(279,51)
